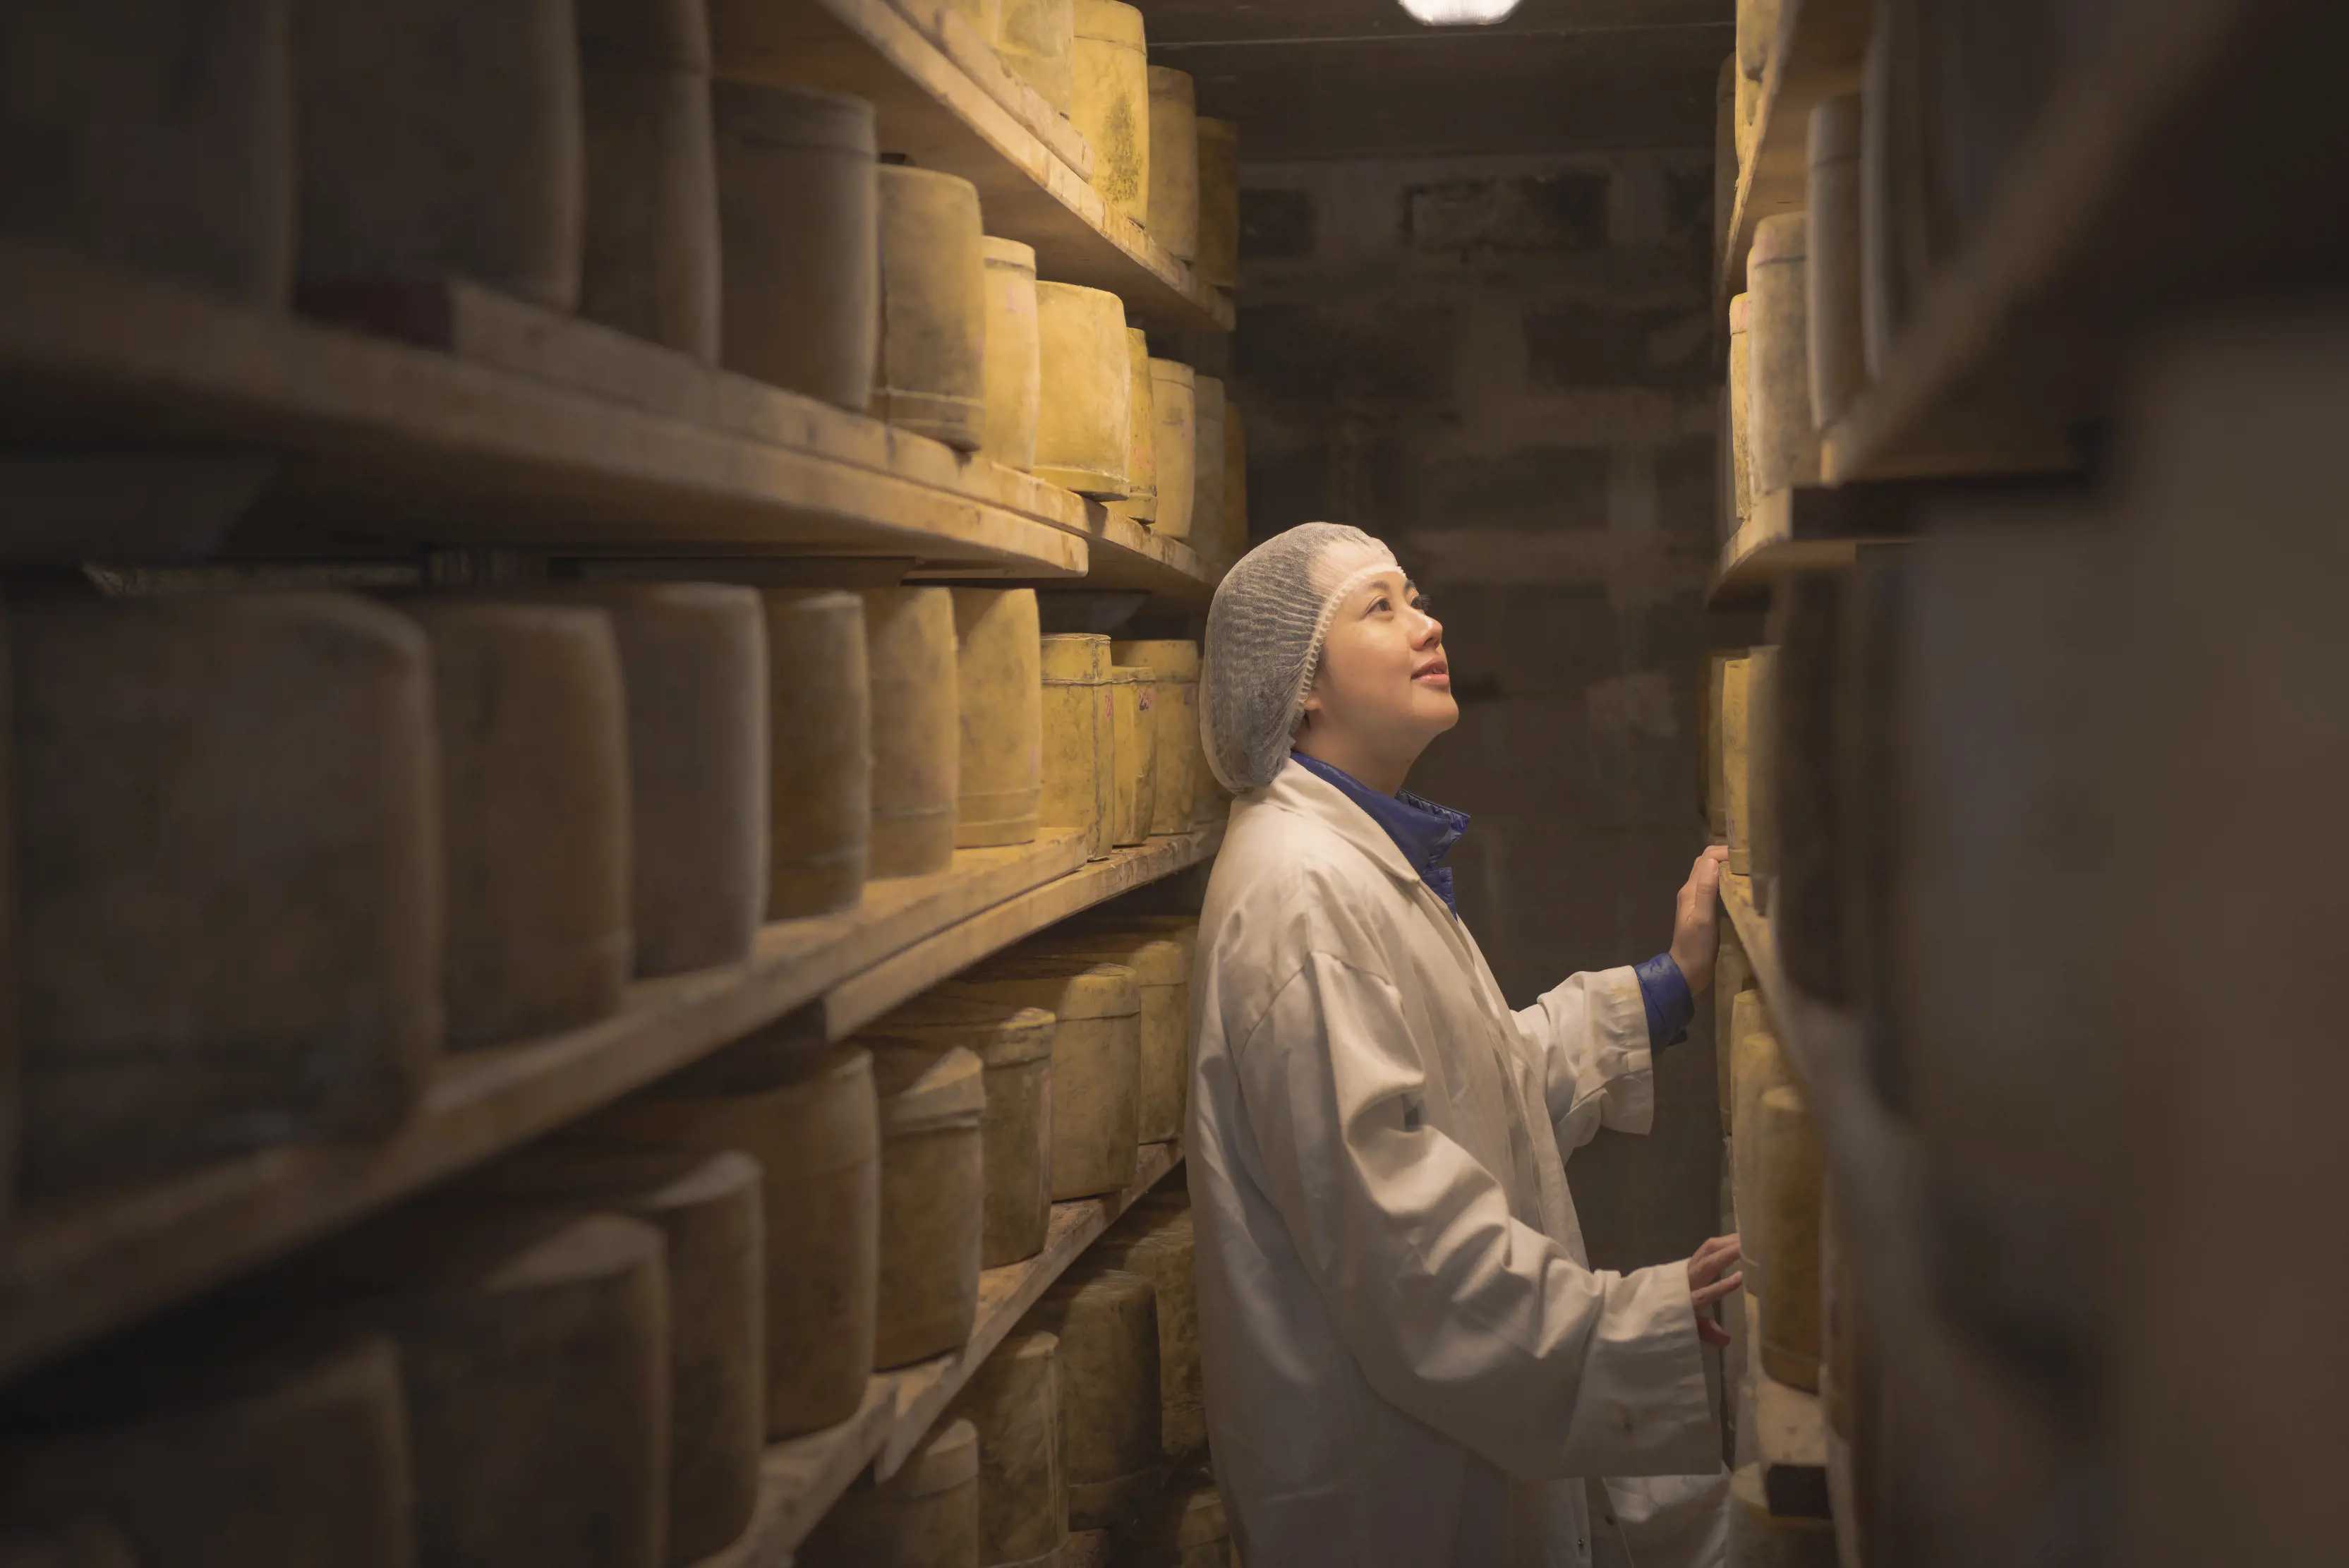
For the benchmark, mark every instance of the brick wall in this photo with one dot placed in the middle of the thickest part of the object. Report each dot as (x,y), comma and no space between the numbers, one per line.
(1504,367)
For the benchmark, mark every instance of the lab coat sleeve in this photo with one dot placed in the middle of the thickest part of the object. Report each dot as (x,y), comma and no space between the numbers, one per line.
(1591,1036)
(1457,1312)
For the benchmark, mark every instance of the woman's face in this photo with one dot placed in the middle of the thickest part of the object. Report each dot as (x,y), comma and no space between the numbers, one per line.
(1382,676)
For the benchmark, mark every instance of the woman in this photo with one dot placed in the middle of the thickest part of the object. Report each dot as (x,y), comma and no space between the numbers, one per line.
(1409,1361)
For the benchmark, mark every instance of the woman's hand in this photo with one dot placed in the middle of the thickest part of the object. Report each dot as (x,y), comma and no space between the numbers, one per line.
(1705,1287)
(1696,920)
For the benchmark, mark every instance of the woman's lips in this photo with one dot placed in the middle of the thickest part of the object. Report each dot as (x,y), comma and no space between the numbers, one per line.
(1437,673)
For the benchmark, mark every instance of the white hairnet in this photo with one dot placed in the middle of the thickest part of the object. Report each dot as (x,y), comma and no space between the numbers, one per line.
(1264,642)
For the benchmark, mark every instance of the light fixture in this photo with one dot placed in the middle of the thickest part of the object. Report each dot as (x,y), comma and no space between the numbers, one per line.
(1459,13)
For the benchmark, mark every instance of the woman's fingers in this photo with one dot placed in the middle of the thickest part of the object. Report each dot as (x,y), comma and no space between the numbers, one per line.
(1705,1296)
(1711,1333)
(1715,1255)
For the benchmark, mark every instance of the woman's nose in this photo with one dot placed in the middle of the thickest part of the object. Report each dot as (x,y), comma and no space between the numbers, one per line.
(1432,634)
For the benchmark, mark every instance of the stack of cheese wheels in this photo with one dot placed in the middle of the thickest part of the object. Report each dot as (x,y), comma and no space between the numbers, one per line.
(1736,773)
(649,264)
(999,676)
(925,1516)
(820,748)
(1173,162)
(1096,1059)
(534,1355)
(1175,420)
(1084,423)
(203,1450)
(1783,1210)
(933,366)
(812,1125)
(1183,1527)
(1014,362)
(909,643)
(1141,498)
(1154,1241)
(1111,104)
(533,815)
(227,899)
(693,667)
(1234,536)
(1160,961)
(1758,1067)
(191,97)
(1080,733)
(1182,756)
(932,1196)
(1013,1401)
(1760,1538)
(1218,259)
(1038,39)
(410,169)
(1784,444)
(799,221)
(1014,1044)
(1107,1323)
(708,1209)
(1134,753)
(1206,533)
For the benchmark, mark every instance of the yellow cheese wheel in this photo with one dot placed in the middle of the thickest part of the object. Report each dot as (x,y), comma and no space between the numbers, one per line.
(925,1516)
(1173,162)
(931,1197)
(1107,1323)
(1014,355)
(1084,423)
(1038,39)
(1736,764)
(1134,753)
(998,675)
(933,369)
(1109,102)
(1838,350)
(1155,1243)
(1096,1059)
(819,726)
(1785,444)
(1182,758)
(1174,403)
(1160,961)
(1784,1210)
(1741,406)
(1013,1402)
(1139,501)
(1014,1044)
(909,648)
(1080,737)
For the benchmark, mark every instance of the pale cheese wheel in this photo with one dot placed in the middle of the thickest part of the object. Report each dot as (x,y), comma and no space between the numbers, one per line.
(1219,258)
(1173,162)
(999,676)
(1784,444)
(925,1516)
(227,884)
(932,377)
(1096,1060)
(203,1452)
(932,1196)
(1183,1527)
(1759,1066)
(1013,1402)
(1733,975)
(820,751)
(1079,731)
(1759,1539)
(1206,535)
(1157,1242)
(1014,361)
(1838,348)
(1716,775)
(1038,39)
(1107,1323)
(1174,404)
(1784,1210)
(910,650)
(536,848)
(1134,753)
(1736,762)
(1182,757)
(1161,962)
(1014,1044)
(1740,412)
(799,208)
(1109,102)
(1140,500)
(441,138)
(1084,419)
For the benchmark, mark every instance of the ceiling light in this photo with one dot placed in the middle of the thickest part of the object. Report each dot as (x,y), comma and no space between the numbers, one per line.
(1459,13)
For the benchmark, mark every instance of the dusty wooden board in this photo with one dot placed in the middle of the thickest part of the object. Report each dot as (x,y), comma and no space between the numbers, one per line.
(1127,557)
(960,42)
(933,112)
(384,441)
(1817,56)
(800,1478)
(75,1270)
(1809,528)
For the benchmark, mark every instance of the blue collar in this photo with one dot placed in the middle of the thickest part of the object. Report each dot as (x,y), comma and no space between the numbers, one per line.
(1425,831)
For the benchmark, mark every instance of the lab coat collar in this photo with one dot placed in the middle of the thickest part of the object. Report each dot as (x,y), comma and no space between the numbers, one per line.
(1425,831)
(1295,788)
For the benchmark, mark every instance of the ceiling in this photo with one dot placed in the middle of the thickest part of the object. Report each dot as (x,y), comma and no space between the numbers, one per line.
(1359,79)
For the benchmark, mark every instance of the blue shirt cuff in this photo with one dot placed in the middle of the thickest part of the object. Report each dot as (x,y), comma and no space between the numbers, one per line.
(1665,992)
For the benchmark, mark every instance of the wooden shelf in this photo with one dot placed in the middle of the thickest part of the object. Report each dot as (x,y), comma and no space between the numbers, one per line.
(73,1271)
(1817,56)
(800,1478)
(1790,1434)
(936,113)
(2173,176)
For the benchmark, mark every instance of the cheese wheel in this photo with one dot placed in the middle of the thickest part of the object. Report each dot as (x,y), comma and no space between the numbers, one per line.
(1083,422)
(1219,258)
(1013,1403)
(1716,772)
(441,138)
(1181,754)
(933,1190)
(1837,347)
(693,667)
(799,211)
(1174,403)
(1080,729)
(649,261)
(1761,773)
(820,749)
(909,648)
(1205,534)
(1107,1323)
(1741,406)
(1785,444)
(1234,536)
(1732,976)
(1784,1210)
(1139,497)
(814,1131)
(535,850)
(1758,1067)
(1109,102)
(107,105)
(1759,1539)
(1161,962)
(1155,1243)
(933,370)
(999,677)
(204,1451)
(1038,39)
(227,901)
(925,1516)
(1183,1527)
(1014,357)
(1096,1060)
(533,1354)
(707,1209)
(1736,764)
(1014,1044)
(1134,753)
(1174,219)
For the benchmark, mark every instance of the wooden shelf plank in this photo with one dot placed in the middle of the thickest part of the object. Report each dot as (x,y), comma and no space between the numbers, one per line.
(1816,57)
(75,1270)
(802,1478)
(1790,1434)
(931,111)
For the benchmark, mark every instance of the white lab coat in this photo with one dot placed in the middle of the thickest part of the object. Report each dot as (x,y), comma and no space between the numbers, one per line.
(1407,1356)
